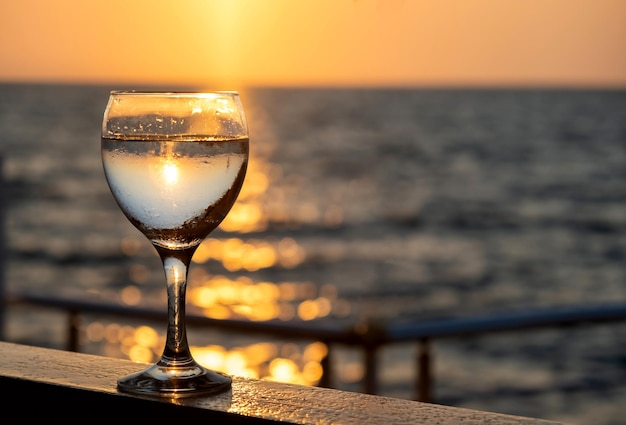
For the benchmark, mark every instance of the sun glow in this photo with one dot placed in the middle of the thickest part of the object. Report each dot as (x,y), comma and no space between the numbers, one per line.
(238,43)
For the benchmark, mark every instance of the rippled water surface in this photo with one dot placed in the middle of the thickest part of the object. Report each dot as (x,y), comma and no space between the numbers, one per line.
(377,204)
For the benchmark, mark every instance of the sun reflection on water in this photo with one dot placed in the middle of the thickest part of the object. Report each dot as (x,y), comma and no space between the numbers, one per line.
(274,361)
(221,297)
(253,254)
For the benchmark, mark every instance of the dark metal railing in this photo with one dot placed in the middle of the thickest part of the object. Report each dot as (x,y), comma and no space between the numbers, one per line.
(370,337)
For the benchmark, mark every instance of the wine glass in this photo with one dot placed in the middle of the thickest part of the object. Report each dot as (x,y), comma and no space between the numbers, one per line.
(175,162)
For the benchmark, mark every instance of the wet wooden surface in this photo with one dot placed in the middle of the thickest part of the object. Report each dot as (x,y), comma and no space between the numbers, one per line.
(56,385)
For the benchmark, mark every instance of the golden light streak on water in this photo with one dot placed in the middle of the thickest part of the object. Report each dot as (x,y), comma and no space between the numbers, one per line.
(222,297)
(315,352)
(137,353)
(307,310)
(283,370)
(235,254)
(205,297)
(244,218)
(312,371)
(313,309)
(290,253)
(211,356)
(146,336)
(276,361)
(257,180)
(260,353)
(217,312)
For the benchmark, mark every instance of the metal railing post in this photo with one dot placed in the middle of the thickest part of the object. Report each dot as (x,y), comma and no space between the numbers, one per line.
(73,331)
(327,370)
(424,372)
(371,368)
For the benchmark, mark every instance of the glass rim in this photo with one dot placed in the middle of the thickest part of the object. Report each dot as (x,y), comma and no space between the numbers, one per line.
(180,93)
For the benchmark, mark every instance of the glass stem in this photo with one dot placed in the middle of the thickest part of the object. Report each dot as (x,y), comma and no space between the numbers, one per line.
(176,266)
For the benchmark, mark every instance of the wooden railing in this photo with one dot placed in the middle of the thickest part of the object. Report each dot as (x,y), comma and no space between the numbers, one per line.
(60,386)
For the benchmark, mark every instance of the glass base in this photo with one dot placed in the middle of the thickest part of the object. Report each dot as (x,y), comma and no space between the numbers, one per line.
(175,381)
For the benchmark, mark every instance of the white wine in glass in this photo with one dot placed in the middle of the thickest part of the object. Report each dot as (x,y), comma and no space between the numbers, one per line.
(175,162)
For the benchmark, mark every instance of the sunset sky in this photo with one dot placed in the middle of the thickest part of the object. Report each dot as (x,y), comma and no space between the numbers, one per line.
(316,42)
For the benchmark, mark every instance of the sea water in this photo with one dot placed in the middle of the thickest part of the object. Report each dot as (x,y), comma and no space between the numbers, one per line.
(402,203)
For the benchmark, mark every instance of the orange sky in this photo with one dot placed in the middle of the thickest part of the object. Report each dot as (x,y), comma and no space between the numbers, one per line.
(315,42)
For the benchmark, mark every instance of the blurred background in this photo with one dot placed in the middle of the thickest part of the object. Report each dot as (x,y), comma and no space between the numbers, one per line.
(410,160)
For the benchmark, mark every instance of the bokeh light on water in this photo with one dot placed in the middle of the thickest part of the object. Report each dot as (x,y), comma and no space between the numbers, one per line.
(275,361)
(253,254)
